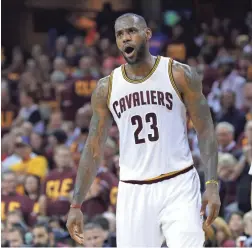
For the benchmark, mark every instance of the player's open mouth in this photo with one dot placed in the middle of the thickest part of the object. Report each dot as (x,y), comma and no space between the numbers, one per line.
(129,51)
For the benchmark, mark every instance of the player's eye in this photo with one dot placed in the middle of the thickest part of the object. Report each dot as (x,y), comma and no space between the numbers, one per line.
(119,35)
(132,31)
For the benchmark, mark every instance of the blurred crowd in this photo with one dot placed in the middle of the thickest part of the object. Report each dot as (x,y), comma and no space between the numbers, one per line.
(45,115)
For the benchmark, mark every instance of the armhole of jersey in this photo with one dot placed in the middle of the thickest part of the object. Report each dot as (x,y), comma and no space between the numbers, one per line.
(110,87)
(172,80)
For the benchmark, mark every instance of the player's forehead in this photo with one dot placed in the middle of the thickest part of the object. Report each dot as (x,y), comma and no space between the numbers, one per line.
(127,22)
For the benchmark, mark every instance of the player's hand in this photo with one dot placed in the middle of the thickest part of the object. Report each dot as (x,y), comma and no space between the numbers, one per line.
(211,199)
(75,225)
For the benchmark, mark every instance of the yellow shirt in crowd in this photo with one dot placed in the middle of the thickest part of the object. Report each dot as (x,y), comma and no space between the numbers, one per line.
(34,166)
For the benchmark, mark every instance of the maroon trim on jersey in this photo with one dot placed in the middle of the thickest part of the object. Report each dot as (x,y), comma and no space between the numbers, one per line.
(160,178)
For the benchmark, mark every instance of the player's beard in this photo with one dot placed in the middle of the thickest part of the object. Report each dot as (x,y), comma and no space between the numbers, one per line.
(139,55)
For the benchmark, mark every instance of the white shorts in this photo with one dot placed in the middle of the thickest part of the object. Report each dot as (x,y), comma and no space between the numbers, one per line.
(169,210)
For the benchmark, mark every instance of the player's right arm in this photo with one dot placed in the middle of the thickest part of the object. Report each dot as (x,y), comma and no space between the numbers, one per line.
(189,84)
(91,156)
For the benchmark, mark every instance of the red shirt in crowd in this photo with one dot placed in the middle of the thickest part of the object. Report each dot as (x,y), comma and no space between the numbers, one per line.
(57,187)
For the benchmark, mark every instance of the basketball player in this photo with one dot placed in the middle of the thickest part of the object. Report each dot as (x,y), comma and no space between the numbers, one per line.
(159,190)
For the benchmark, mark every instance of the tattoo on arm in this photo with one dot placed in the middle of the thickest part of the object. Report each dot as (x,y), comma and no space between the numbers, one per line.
(190,83)
(93,151)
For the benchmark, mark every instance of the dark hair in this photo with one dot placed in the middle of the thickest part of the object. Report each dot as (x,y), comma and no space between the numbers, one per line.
(239,213)
(102,221)
(92,225)
(31,94)
(43,224)
(38,181)
(60,136)
(84,130)
(55,218)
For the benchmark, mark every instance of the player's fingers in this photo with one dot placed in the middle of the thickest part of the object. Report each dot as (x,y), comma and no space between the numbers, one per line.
(215,215)
(203,208)
(76,235)
(80,227)
(70,229)
(212,214)
(78,238)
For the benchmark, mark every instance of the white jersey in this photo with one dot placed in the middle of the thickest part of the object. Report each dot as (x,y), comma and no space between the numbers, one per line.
(152,123)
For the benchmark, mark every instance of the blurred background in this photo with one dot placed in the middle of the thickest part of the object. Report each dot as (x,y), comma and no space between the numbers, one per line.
(52,55)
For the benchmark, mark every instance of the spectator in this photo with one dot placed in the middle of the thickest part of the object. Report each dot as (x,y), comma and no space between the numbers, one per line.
(229,81)
(78,145)
(110,240)
(223,233)
(78,43)
(244,185)
(225,137)
(55,121)
(10,200)
(43,236)
(8,110)
(36,52)
(32,190)
(231,114)
(14,218)
(30,164)
(71,57)
(79,91)
(37,143)
(60,65)
(112,221)
(15,237)
(13,155)
(226,173)
(55,139)
(61,44)
(94,236)
(248,100)
(97,199)
(82,119)
(27,129)
(16,68)
(50,98)
(58,185)
(44,66)
(236,224)
(29,111)
(247,218)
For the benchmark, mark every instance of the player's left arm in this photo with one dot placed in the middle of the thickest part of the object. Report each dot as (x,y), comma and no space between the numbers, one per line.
(189,84)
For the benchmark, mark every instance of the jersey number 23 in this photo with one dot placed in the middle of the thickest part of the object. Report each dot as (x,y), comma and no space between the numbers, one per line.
(149,118)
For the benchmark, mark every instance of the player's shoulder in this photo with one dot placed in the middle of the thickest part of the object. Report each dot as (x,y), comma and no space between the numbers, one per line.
(103,81)
(186,77)
(179,67)
(102,89)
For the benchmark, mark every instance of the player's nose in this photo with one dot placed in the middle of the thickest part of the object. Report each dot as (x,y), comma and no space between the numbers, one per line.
(126,37)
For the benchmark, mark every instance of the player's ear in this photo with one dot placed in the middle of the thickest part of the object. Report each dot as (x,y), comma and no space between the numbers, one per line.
(148,33)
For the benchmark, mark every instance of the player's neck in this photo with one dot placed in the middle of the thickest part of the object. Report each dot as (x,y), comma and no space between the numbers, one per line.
(143,67)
